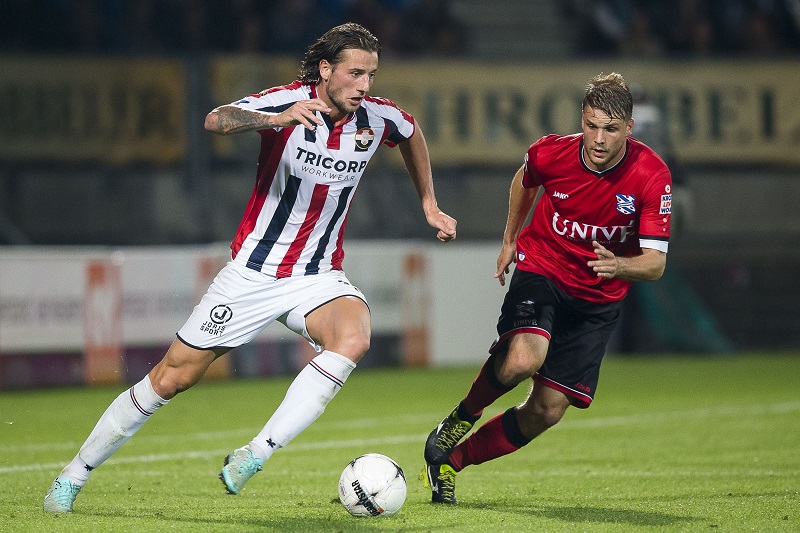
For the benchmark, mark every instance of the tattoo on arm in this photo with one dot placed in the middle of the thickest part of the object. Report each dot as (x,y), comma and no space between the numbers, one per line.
(233,119)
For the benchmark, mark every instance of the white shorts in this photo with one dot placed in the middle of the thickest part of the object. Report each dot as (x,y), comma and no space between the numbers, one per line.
(241,302)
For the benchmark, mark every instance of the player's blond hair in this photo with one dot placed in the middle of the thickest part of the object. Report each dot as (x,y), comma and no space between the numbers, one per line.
(610,94)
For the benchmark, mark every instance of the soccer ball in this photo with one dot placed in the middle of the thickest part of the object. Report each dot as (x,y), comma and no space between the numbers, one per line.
(372,485)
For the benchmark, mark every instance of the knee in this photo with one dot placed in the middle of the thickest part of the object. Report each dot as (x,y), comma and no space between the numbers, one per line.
(517,367)
(525,355)
(536,417)
(548,415)
(168,381)
(353,346)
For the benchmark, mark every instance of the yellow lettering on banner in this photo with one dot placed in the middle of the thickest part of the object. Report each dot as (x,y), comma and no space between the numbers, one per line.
(109,110)
(103,352)
(416,311)
(716,112)
(123,110)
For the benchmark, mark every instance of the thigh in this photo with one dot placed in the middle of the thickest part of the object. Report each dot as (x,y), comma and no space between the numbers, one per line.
(342,326)
(181,367)
(239,304)
(528,308)
(326,307)
(577,347)
(524,355)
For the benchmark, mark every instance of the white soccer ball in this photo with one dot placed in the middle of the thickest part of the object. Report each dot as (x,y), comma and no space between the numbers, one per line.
(372,485)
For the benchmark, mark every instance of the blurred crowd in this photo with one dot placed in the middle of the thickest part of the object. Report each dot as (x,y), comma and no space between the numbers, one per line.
(686,28)
(148,27)
(410,28)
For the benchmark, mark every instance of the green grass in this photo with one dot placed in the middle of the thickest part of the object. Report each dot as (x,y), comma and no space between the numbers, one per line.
(670,444)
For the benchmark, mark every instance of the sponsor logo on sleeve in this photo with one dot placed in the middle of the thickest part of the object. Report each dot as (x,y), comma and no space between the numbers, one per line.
(666,204)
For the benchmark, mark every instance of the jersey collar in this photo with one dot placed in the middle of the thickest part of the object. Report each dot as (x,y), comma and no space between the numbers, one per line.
(602,173)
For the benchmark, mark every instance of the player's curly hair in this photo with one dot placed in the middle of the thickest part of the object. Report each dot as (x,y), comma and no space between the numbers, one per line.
(330,47)
(610,94)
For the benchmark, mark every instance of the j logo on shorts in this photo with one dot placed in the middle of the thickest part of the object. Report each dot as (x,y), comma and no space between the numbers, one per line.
(221,314)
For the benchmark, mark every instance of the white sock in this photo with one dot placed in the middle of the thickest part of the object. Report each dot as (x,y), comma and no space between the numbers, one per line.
(306,399)
(126,414)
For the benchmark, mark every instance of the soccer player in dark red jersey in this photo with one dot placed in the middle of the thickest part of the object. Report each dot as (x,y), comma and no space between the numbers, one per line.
(601,222)
(317,136)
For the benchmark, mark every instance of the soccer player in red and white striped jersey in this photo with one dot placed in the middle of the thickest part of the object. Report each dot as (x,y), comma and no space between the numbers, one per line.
(317,136)
(307,178)
(601,222)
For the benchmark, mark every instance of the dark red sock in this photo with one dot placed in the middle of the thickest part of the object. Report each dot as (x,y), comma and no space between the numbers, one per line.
(497,437)
(484,391)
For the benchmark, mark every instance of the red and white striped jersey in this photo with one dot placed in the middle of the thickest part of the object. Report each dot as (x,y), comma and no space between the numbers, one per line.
(295,220)
(624,208)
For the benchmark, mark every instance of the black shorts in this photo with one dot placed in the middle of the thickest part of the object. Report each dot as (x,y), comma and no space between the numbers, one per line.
(578,331)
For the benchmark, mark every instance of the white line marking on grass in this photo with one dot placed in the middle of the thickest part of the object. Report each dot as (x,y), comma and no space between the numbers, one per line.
(694,414)
(667,473)
(221,453)
(640,418)
(322,425)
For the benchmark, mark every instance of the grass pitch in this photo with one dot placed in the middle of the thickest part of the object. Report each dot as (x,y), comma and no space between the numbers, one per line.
(670,444)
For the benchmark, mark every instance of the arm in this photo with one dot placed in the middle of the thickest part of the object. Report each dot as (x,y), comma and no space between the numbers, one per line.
(418,163)
(649,266)
(520,203)
(230,118)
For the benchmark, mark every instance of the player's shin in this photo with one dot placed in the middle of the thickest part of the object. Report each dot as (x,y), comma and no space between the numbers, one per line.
(123,418)
(305,401)
(499,436)
(484,391)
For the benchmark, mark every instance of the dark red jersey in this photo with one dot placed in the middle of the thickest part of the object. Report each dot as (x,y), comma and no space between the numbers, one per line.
(624,208)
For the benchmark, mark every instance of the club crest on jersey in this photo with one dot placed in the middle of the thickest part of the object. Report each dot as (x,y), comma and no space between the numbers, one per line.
(625,204)
(364,138)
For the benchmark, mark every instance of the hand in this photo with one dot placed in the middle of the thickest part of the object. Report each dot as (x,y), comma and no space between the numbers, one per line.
(302,112)
(508,255)
(445,224)
(606,265)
